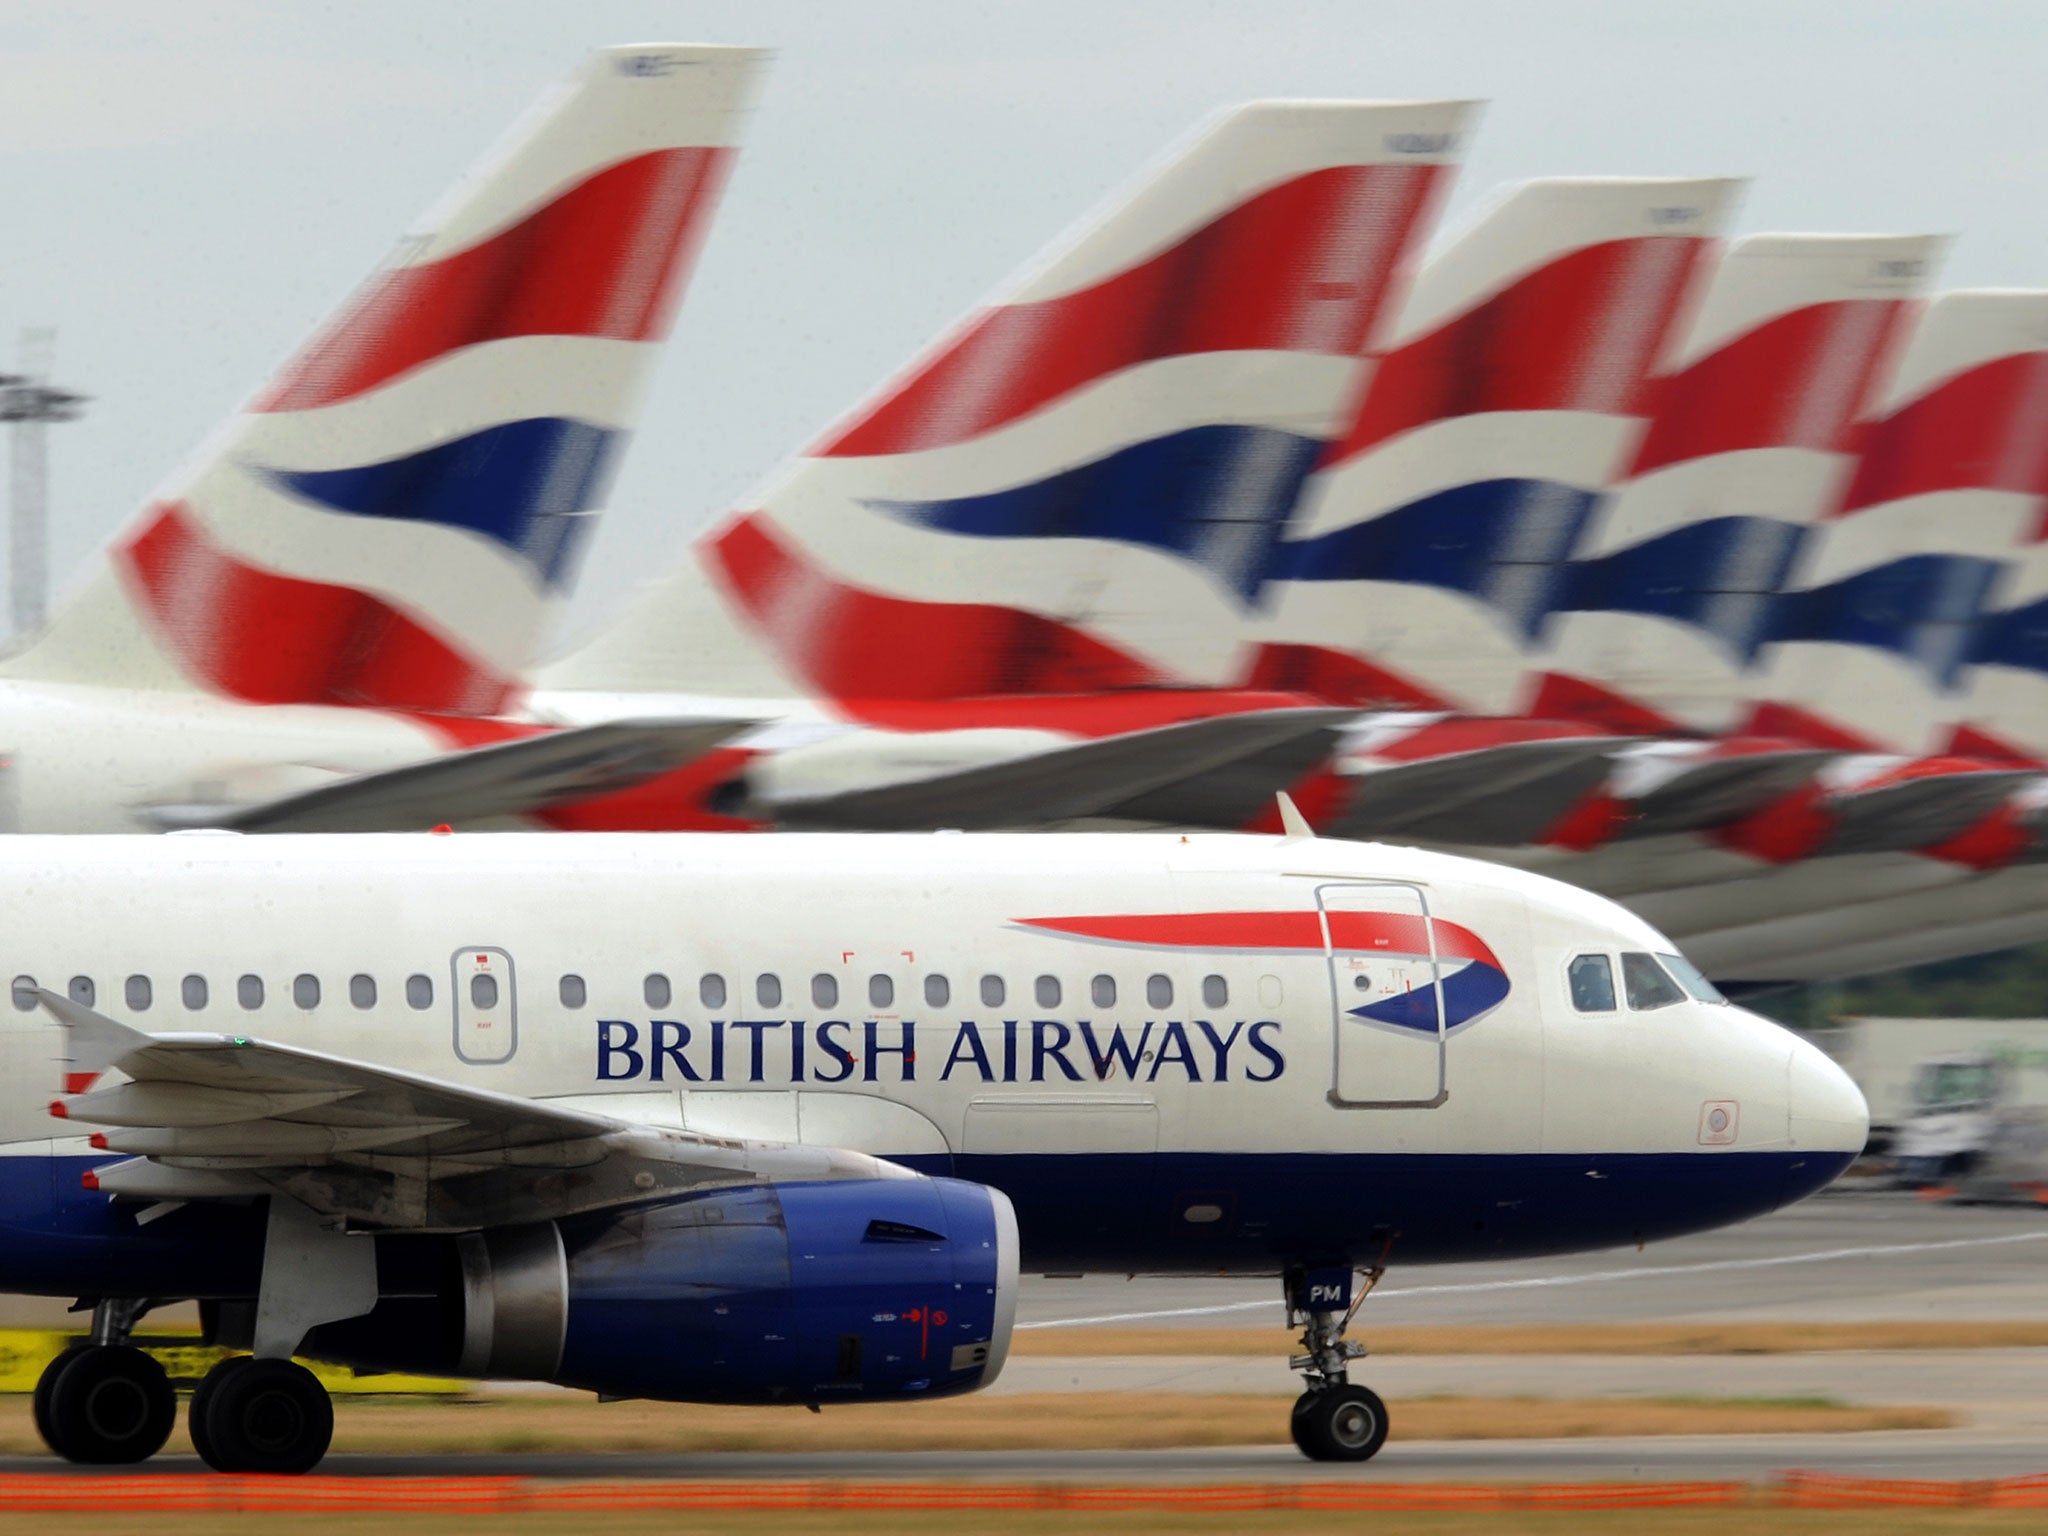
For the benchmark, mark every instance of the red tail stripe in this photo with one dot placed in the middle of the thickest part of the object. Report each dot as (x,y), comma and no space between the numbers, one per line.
(871,652)
(605,258)
(1268,275)
(267,638)
(1797,381)
(1550,341)
(1985,429)
(1353,932)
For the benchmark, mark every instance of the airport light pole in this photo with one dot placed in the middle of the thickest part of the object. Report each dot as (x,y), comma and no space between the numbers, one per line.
(30,403)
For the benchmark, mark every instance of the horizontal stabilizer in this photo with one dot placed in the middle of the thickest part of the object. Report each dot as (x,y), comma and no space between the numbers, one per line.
(1712,790)
(1918,813)
(1085,779)
(1498,797)
(511,778)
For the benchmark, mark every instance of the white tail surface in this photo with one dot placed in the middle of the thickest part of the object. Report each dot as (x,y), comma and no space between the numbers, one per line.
(394,519)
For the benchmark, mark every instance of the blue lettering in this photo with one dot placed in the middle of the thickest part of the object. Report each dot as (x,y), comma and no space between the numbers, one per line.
(757,1028)
(1270,1052)
(718,1050)
(967,1046)
(907,1050)
(662,1048)
(1041,1051)
(835,1050)
(1009,1050)
(1173,1046)
(1117,1052)
(606,1050)
(797,1036)
(1221,1047)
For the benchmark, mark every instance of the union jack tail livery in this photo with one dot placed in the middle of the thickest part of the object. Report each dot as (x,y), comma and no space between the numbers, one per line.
(1088,474)
(1510,393)
(393,519)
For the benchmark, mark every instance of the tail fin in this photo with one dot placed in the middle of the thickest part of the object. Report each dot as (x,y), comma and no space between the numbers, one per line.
(1672,594)
(1923,610)
(394,518)
(1511,392)
(1113,440)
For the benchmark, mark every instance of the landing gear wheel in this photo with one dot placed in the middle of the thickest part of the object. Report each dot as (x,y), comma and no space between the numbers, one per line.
(105,1404)
(201,1404)
(267,1416)
(1344,1423)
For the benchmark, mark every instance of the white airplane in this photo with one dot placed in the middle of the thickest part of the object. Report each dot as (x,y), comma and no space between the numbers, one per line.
(321,620)
(780,1120)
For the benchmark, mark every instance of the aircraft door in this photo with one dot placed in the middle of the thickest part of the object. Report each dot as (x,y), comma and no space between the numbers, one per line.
(486,1005)
(1386,996)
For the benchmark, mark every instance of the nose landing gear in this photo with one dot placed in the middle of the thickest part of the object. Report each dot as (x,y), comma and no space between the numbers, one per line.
(1333,1420)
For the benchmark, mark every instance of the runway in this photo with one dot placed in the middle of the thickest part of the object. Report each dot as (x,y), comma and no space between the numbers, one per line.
(1845,1256)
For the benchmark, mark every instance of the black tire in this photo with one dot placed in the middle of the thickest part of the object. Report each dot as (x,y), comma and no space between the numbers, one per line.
(111,1404)
(270,1416)
(1340,1424)
(45,1385)
(202,1400)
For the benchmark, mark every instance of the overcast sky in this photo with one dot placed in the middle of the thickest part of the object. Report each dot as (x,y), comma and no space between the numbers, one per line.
(185,190)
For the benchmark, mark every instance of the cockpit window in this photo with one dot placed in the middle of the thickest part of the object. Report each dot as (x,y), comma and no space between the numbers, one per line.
(1647,985)
(1592,978)
(1692,978)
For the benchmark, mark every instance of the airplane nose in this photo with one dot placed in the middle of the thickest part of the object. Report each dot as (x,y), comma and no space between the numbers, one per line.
(1825,1110)
(1827,1122)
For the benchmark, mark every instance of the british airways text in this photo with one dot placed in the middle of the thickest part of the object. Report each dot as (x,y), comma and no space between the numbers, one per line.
(871,1050)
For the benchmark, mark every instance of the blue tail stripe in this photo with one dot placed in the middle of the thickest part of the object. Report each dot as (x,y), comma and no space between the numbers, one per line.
(1721,575)
(1502,541)
(523,484)
(1216,495)
(1923,608)
(2014,637)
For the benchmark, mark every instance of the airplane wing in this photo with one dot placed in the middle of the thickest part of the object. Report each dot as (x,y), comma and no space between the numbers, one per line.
(508,778)
(223,1117)
(1087,778)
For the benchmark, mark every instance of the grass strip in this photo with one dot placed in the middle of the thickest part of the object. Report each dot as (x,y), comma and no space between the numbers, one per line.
(1076,1341)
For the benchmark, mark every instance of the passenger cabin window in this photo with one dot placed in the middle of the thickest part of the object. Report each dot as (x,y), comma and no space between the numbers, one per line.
(1159,991)
(1646,984)
(824,991)
(938,991)
(1269,992)
(1047,990)
(1592,978)
(82,990)
(362,990)
(573,993)
(306,991)
(654,988)
(249,992)
(881,992)
(993,991)
(1692,978)
(419,991)
(138,993)
(192,991)
(1215,992)
(711,991)
(483,991)
(768,989)
(24,993)
(1102,991)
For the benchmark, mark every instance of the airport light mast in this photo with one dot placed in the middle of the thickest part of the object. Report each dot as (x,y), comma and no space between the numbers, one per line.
(31,403)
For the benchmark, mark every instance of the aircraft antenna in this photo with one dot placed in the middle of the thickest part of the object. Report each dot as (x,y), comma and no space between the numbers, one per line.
(30,402)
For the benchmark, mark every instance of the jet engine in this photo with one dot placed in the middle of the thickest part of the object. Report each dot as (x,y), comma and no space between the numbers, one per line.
(771,1293)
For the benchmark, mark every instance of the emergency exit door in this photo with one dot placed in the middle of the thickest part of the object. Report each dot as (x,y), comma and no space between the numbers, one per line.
(1386,996)
(486,1005)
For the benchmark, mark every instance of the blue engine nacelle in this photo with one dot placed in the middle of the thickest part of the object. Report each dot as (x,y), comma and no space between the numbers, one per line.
(801,1293)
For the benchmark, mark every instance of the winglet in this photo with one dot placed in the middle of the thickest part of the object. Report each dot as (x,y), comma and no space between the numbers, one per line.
(93,1042)
(1292,823)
